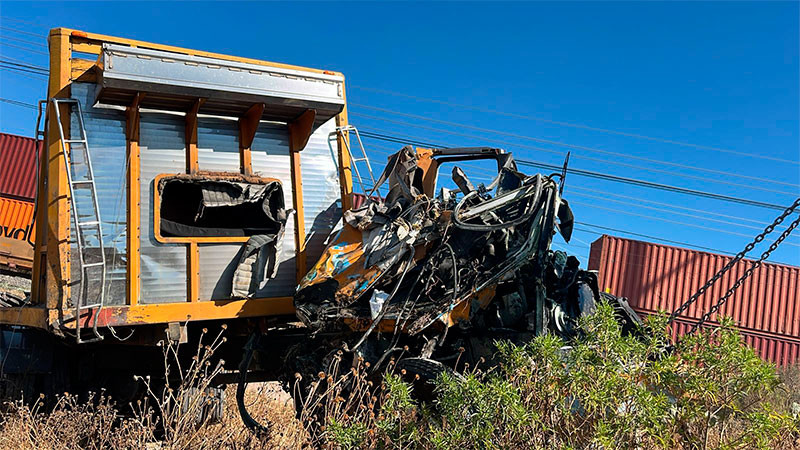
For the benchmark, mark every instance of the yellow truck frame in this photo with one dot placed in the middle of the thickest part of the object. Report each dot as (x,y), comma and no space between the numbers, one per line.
(51,272)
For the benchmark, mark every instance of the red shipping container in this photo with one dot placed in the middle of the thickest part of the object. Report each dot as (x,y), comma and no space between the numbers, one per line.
(657,277)
(17,167)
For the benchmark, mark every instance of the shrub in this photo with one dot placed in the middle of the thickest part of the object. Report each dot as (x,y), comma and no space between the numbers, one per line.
(605,390)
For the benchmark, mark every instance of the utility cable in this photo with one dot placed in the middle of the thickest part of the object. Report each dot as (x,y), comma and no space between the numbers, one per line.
(23,48)
(21,70)
(573,125)
(24,66)
(28,33)
(604,161)
(598,175)
(23,41)
(17,103)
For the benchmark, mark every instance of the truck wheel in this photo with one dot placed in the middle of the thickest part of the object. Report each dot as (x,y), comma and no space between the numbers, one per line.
(420,373)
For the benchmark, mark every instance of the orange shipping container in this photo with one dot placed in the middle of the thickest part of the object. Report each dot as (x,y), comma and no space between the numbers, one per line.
(16,233)
(657,277)
(15,219)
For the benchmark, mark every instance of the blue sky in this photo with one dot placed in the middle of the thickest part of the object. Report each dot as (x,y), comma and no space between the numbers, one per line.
(722,76)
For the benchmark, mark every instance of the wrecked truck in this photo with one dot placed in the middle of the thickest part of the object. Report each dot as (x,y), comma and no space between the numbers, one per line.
(179,190)
(425,278)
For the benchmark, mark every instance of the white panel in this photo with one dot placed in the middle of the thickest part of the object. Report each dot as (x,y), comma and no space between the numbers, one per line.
(270,156)
(218,144)
(321,189)
(105,131)
(162,147)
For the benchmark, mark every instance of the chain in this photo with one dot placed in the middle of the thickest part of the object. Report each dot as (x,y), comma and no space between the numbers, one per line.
(744,276)
(735,260)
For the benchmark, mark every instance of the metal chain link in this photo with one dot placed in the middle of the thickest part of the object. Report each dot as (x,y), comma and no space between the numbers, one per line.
(735,260)
(746,274)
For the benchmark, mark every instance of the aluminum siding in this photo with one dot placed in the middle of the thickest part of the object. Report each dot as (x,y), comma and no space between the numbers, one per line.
(17,166)
(105,131)
(162,148)
(657,277)
(321,189)
(218,150)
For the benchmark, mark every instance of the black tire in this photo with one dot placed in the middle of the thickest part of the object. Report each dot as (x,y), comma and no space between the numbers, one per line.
(421,373)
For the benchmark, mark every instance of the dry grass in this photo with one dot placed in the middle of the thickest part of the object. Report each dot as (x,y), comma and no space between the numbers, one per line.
(356,413)
(98,424)
(169,418)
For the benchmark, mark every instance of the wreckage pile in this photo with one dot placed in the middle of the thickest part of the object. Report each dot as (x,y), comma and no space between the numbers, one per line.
(475,256)
(423,282)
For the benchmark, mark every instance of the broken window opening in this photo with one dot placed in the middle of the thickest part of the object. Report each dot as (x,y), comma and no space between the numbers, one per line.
(197,206)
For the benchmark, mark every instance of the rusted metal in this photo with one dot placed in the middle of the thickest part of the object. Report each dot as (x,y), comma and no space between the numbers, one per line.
(656,277)
(17,167)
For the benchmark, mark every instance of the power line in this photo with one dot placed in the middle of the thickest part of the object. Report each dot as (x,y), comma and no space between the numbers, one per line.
(605,161)
(572,125)
(37,77)
(646,236)
(572,146)
(661,219)
(17,103)
(20,70)
(23,48)
(28,33)
(26,22)
(638,200)
(599,175)
(21,61)
(25,66)
(24,41)
(632,233)
(653,208)
(670,205)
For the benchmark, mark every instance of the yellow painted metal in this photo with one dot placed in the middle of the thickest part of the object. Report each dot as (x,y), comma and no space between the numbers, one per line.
(192,158)
(193,272)
(80,67)
(299,215)
(187,311)
(299,133)
(133,182)
(345,172)
(192,167)
(27,316)
(210,310)
(57,274)
(248,126)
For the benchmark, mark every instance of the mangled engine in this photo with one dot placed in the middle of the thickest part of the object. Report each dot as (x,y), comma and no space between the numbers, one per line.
(430,272)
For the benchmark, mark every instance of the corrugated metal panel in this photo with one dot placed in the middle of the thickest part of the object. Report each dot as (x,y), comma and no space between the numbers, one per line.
(17,166)
(781,350)
(105,131)
(16,230)
(15,219)
(218,150)
(162,147)
(270,156)
(657,277)
(218,144)
(321,189)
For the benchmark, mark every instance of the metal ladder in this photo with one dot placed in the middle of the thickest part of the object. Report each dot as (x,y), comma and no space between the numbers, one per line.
(82,190)
(363,159)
